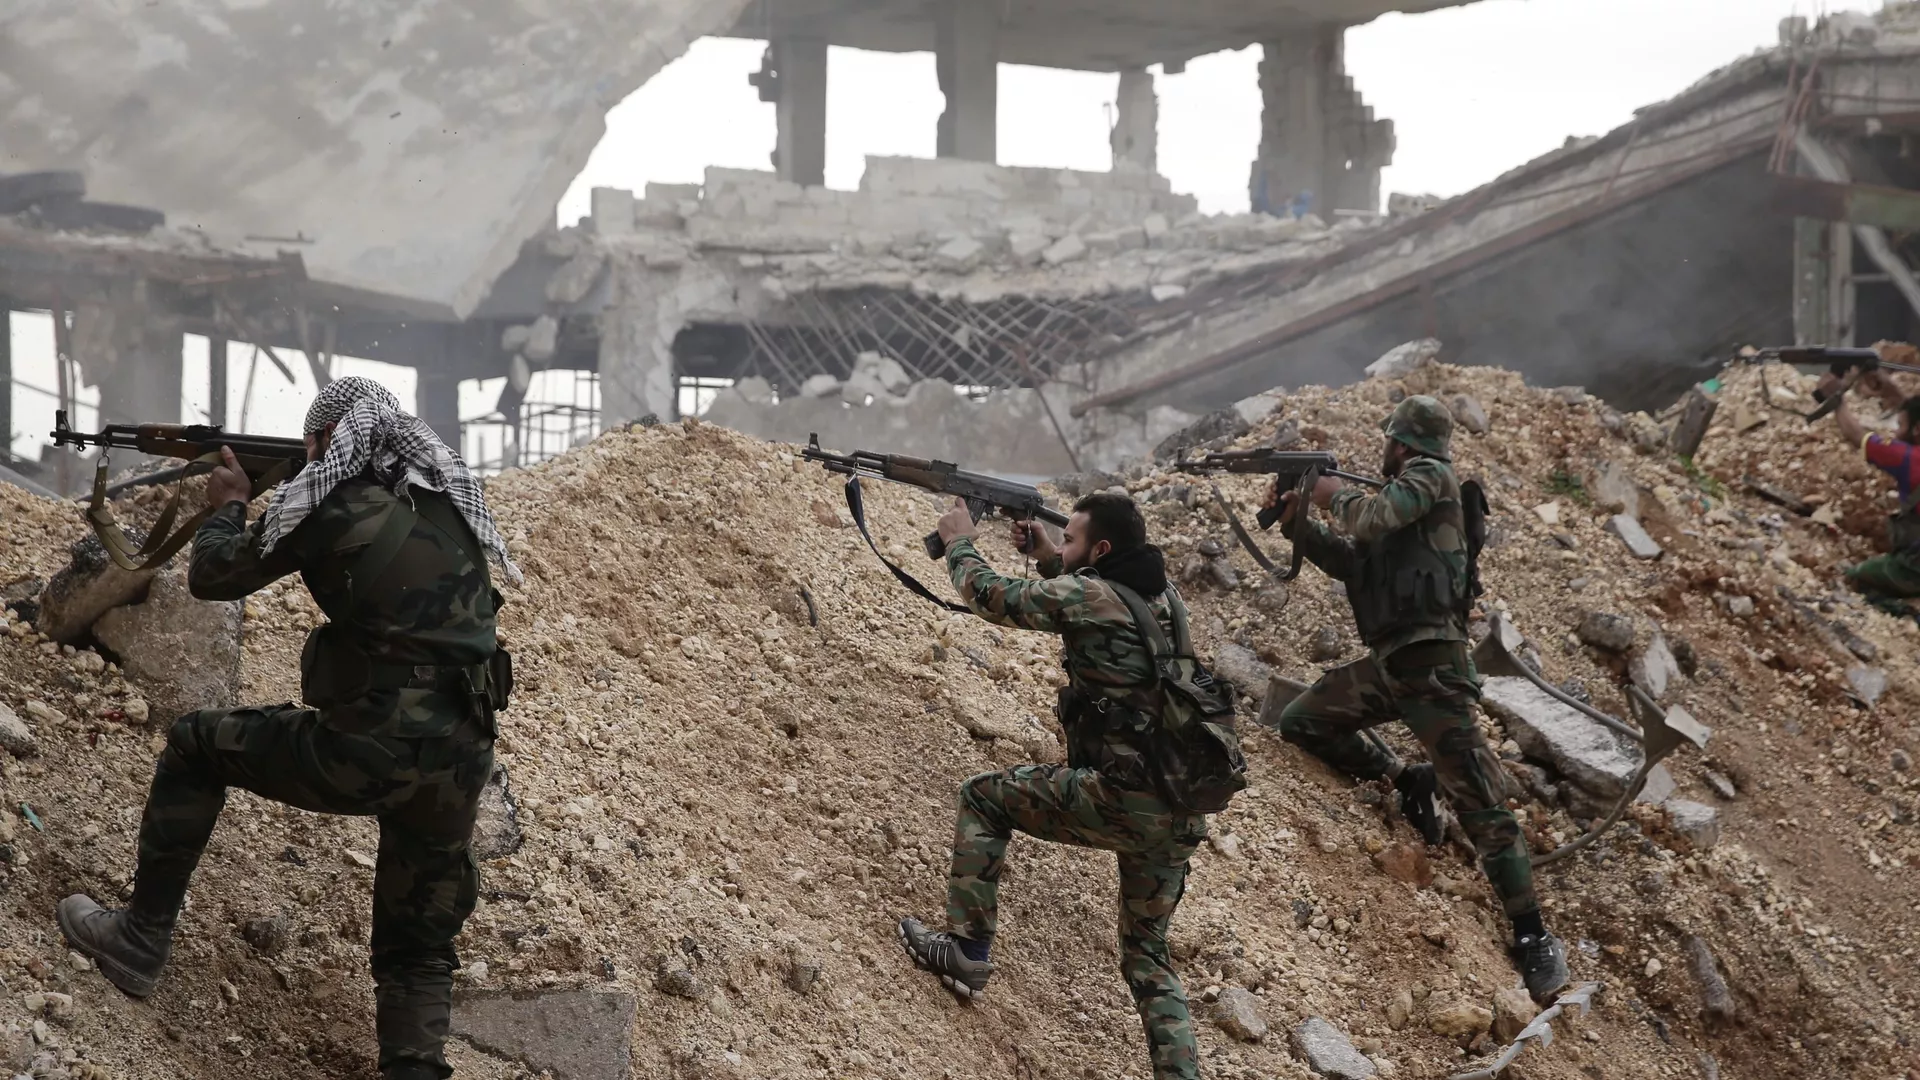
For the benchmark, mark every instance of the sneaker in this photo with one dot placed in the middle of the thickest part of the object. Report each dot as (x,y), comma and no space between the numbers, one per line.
(1542,961)
(1418,789)
(939,953)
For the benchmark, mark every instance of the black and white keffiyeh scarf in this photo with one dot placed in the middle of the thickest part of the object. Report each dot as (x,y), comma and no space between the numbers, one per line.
(372,432)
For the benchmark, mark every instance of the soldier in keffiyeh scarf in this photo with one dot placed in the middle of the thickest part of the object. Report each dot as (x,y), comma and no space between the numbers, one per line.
(392,536)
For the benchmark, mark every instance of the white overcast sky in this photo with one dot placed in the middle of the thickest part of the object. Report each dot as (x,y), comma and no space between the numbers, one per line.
(1472,91)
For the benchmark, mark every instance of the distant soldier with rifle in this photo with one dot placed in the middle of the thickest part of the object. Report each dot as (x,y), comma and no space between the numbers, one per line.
(1895,576)
(1408,563)
(1150,750)
(393,537)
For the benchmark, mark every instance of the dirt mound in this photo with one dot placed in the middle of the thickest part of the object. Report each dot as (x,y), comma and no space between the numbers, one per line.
(736,742)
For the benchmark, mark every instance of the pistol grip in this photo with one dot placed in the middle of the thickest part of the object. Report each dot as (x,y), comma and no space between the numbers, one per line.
(936,547)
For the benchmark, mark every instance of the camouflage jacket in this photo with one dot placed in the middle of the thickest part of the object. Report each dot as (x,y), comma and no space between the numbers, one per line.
(1104,654)
(1417,514)
(431,605)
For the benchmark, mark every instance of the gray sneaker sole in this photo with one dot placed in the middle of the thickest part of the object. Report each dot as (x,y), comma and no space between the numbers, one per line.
(130,982)
(960,990)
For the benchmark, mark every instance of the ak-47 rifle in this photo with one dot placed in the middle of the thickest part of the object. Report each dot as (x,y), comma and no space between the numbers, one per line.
(1850,364)
(267,460)
(1292,470)
(983,495)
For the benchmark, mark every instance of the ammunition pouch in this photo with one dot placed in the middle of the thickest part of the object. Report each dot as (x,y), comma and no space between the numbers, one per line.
(335,671)
(1404,582)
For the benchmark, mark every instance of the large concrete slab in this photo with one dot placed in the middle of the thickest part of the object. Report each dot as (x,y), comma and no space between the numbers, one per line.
(574,1034)
(402,147)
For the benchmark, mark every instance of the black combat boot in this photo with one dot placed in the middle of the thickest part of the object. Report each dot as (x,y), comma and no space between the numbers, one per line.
(1542,961)
(410,1070)
(130,947)
(940,953)
(1418,787)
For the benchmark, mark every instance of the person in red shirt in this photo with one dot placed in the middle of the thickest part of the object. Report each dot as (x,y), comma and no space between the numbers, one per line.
(1895,575)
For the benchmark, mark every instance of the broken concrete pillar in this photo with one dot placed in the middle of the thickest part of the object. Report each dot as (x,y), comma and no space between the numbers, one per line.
(132,352)
(967,61)
(85,589)
(574,1034)
(1321,149)
(800,109)
(183,653)
(1136,128)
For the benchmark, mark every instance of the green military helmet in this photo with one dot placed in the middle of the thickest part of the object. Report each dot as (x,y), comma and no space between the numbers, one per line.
(1422,423)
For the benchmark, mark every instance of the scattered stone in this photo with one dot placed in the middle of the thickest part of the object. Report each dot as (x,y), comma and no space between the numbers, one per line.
(1459,1020)
(1513,1010)
(1902,762)
(1218,424)
(1603,630)
(1592,756)
(960,253)
(1238,1014)
(1654,967)
(1612,488)
(1696,823)
(1714,995)
(1402,360)
(1635,537)
(269,935)
(1302,914)
(1740,607)
(477,971)
(1287,435)
(182,652)
(574,1034)
(1470,414)
(1548,511)
(1659,788)
(1326,646)
(679,982)
(1655,668)
(361,859)
(1721,786)
(1407,863)
(1400,1010)
(803,976)
(1065,250)
(1566,541)
(15,736)
(1327,1051)
(496,832)
(1685,656)
(23,596)
(1867,684)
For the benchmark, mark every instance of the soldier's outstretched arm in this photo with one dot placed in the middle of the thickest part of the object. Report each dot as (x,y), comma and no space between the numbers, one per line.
(1401,503)
(1049,604)
(227,563)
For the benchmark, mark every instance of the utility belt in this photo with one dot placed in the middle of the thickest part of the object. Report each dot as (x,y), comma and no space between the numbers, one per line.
(335,671)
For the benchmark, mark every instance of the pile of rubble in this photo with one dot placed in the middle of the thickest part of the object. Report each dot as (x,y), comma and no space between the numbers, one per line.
(730,765)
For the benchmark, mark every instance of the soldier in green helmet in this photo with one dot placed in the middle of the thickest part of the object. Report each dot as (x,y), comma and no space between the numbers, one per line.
(1408,568)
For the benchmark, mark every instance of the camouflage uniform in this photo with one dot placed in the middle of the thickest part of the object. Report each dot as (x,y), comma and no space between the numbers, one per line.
(1404,559)
(1104,797)
(413,750)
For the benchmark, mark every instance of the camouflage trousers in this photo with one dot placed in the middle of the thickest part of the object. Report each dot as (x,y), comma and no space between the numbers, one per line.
(1431,687)
(1893,576)
(1077,806)
(426,794)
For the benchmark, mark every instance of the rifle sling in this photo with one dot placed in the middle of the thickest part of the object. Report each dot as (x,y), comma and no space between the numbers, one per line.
(164,541)
(857,507)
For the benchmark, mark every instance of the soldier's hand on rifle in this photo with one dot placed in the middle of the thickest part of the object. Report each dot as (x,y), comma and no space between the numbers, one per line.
(1289,504)
(1043,546)
(956,522)
(1323,490)
(228,482)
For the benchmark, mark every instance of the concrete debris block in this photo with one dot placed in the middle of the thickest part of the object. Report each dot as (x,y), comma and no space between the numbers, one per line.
(543,339)
(755,389)
(1222,425)
(1459,1020)
(1067,249)
(1027,247)
(514,338)
(1604,630)
(1720,785)
(1867,684)
(1470,414)
(15,736)
(1655,669)
(675,980)
(268,935)
(821,385)
(1403,360)
(1684,725)
(962,253)
(1695,417)
(1740,607)
(612,210)
(1326,1050)
(1659,788)
(875,376)
(1238,1014)
(1399,1010)
(1402,205)
(1513,1010)
(22,597)
(1548,512)
(1649,435)
(576,277)
(1248,673)
(574,1034)
(86,588)
(1156,227)
(1631,534)
(1260,406)
(1612,487)
(803,976)
(183,653)
(1164,292)
(1714,995)
(1406,863)
(1580,749)
(1326,646)
(496,832)
(1696,823)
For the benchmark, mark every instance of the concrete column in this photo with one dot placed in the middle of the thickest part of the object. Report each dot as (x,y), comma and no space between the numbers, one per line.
(132,352)
(437,400)
(968,64)
(217,380)
(1136,127)
(801,109)
(1295,76)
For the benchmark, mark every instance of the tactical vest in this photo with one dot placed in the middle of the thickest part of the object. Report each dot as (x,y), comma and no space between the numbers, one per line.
(1417,576)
